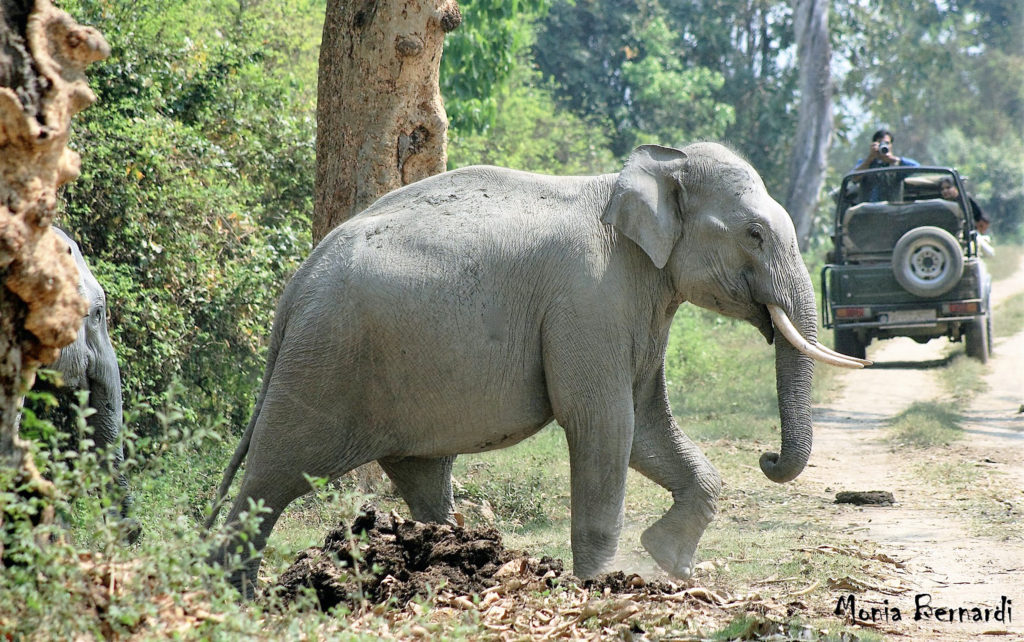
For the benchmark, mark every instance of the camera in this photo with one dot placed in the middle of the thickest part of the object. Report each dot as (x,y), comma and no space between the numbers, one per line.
(884,147)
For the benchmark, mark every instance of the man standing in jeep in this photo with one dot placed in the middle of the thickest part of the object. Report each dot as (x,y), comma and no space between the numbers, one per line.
(880,155)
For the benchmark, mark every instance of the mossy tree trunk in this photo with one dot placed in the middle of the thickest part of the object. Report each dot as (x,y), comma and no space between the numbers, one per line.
(380,120)
(43,55)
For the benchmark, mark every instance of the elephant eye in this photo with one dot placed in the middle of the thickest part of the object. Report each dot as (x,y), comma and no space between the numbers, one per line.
(757,235)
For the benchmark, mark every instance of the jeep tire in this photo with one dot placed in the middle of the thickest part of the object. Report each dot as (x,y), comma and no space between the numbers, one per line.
(927,261)
(846,341)
(976,337)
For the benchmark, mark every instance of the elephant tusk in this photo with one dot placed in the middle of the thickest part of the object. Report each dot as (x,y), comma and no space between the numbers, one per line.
(828,350)
(813,350)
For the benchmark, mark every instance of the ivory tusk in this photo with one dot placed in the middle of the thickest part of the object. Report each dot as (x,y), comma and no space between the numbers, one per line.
(828,350)
(812,350)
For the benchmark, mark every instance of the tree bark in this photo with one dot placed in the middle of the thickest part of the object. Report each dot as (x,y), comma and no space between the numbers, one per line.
(380,120)
(814,129)
(43,55)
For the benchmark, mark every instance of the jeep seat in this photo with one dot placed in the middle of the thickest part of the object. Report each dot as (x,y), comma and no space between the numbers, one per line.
(870,230)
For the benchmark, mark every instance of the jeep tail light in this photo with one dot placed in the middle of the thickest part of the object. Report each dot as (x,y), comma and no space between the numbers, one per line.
(852,313)
(966,307)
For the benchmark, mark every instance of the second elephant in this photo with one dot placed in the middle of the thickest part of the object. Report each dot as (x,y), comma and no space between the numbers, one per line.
(90,364)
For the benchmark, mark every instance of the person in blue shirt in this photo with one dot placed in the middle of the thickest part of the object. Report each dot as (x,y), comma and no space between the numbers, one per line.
(880,155)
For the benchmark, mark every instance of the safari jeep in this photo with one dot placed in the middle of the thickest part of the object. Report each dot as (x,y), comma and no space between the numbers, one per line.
(905,263)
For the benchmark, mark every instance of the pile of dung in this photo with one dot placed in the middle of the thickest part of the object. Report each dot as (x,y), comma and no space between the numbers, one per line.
(382,556)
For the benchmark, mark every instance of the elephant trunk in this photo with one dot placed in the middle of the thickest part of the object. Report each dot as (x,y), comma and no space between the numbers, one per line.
(105,398)
(794,373)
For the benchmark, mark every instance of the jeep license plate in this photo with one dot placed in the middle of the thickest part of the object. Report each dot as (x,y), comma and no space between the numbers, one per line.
(908,316)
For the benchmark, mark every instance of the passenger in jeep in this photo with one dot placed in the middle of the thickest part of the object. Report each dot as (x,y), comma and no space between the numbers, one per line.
(951,193)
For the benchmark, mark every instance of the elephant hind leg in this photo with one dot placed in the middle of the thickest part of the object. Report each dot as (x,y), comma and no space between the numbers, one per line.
(426,486)
(276,494)
(276,476)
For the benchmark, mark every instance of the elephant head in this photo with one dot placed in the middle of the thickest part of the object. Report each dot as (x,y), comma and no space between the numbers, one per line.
(703,215)
(90,363)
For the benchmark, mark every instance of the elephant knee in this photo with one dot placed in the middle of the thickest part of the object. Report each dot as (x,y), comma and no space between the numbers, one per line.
(710,482)
(701,495)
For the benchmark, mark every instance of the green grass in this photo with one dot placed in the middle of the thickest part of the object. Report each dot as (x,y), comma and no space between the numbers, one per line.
(926,424)
(1009,319)
(962,379)
(1006,261)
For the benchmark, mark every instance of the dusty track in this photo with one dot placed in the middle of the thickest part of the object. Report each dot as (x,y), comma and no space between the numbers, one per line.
(936,543)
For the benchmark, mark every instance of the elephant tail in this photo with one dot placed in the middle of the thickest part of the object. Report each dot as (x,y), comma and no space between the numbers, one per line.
(236,461)
(243,446)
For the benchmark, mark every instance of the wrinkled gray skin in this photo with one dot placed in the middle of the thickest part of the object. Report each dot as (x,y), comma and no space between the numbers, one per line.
(91,364)
(466,311)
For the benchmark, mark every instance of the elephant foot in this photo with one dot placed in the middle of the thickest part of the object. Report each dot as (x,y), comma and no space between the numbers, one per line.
(130,529)
(672,540)
(245,579)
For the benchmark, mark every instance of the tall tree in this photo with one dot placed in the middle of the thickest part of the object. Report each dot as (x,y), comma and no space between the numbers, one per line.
(43,53)
(624,64)
(675,71)
(380,120)
(809,157)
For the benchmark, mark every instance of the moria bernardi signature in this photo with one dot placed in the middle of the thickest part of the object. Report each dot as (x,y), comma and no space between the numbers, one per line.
(924,610)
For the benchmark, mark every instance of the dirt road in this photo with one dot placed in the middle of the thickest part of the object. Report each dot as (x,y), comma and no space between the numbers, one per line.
(938,544)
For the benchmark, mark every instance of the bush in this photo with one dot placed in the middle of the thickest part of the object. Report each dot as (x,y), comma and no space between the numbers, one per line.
(59,584)
(194,202)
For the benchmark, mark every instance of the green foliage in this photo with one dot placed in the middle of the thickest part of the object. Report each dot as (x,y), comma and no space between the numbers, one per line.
(530,132)
(995,173)
(708,392)
(673,104)
(89,583)
(195,195)
(482,55)
(620,64)
(673,71)
(751,44)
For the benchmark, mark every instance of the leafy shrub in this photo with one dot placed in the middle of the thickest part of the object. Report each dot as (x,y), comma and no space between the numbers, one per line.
(60,584)
(194,202)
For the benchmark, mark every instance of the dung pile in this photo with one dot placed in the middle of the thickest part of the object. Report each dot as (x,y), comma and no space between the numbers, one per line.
(383,556)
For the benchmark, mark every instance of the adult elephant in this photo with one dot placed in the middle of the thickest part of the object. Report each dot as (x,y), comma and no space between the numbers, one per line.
(465,312)
(90,364)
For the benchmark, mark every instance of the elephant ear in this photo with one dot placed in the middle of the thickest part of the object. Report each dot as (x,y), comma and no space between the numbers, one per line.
(645,203)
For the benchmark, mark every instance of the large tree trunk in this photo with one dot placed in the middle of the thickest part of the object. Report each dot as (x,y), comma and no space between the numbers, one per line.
(380,120)
(43,55)
(814,129)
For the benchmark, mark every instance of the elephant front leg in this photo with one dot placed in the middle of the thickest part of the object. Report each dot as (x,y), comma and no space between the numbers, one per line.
(668,457)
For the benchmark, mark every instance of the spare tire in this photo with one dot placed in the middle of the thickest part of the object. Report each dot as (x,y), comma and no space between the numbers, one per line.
(927,261)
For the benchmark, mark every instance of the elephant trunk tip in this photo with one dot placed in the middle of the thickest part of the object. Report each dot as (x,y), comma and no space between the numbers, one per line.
(780,472)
